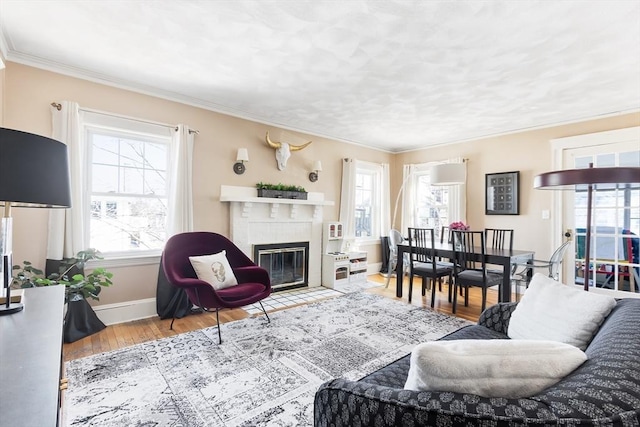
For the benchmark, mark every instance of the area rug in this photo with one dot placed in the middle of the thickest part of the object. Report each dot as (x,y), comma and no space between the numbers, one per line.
(263,374)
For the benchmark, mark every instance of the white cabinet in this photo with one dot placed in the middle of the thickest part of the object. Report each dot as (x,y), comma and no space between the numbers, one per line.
(357,267)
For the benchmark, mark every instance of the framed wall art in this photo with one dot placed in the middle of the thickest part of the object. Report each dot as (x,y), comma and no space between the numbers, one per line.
(502,193)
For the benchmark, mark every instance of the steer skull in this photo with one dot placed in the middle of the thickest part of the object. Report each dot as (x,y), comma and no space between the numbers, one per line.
(283,151)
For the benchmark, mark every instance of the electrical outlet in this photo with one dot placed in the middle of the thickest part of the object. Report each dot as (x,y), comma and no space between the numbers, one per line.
(546,214)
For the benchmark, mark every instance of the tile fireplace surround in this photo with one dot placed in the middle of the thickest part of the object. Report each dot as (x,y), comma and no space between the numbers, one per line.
(260,221)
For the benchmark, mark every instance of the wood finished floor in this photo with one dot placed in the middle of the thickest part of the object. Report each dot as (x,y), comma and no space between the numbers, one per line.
(126,334)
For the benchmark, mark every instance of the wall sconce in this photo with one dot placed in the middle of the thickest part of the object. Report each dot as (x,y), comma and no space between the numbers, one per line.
(243,156)
(317,167)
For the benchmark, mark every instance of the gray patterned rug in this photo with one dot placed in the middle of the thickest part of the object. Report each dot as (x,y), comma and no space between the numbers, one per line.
(262,374)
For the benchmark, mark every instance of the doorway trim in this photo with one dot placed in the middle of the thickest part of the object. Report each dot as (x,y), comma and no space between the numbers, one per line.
(559,147)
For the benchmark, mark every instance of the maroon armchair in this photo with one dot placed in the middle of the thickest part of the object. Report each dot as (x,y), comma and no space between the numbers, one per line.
(253,285)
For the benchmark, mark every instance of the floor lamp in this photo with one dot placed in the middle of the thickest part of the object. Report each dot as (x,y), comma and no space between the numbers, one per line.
(34,172)
(569,178)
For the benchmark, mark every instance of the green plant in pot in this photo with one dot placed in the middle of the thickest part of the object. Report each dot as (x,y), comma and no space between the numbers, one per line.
(80,319)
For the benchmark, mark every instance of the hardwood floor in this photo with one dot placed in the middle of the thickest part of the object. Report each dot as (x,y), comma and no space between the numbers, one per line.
(126,334)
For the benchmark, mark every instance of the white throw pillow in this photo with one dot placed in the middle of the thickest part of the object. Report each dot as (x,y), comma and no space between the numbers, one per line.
(552,311)
(214,269)
(491,368)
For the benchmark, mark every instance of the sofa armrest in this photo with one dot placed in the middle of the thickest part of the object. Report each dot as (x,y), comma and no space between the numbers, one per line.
(497,316)
(341,402)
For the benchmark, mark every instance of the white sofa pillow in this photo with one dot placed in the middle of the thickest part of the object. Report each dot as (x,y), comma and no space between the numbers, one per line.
(214,269)
(552,311)
(491,368)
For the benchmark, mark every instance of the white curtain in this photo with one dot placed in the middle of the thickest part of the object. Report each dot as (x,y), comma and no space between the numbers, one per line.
(409,197)
(348,198)
(66,226)
(458,197)
(385,205)
(180,210)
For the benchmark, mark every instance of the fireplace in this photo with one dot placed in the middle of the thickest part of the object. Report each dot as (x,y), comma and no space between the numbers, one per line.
(263,221)
(287,263)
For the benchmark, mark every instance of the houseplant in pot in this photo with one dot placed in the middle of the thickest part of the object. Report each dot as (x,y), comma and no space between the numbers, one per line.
(281,191)
(80,319)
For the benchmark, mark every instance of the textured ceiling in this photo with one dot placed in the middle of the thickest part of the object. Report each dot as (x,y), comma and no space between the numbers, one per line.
(395,75)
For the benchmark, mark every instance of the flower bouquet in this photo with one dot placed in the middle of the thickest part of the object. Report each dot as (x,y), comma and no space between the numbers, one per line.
(458,225)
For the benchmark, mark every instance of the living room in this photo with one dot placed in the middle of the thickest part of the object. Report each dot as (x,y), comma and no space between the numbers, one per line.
(28,90)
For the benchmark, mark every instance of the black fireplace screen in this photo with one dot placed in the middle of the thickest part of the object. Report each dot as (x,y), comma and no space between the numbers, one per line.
(287,263)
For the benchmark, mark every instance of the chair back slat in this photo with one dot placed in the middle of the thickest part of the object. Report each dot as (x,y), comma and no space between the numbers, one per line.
(499,238)
(445,233)
(469,244)
(421,245)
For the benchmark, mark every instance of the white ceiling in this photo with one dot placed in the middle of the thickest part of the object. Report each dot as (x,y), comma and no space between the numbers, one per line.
(395,75)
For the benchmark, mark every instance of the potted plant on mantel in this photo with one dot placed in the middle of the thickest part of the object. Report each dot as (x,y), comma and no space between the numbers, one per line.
(80,319)
(281,191)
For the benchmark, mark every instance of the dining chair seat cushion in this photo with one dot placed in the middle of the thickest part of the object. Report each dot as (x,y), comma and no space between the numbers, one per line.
(214,269)
(427,267)
(491,368)
(474,278)
(550,310)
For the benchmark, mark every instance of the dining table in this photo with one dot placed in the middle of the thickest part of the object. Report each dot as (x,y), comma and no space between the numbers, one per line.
(504,257)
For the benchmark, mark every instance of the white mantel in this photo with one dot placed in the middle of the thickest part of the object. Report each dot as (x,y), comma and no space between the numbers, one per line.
(261,220)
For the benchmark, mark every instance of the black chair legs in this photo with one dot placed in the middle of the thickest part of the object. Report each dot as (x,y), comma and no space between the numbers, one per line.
(264,311)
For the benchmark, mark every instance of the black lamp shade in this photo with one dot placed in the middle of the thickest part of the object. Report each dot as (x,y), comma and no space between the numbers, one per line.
(569,178)
(34,170)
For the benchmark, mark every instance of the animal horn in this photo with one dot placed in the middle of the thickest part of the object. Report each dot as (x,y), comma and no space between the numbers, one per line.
(298,147)
(271,143)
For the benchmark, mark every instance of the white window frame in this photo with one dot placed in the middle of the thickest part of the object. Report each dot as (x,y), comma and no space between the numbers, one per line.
(426,172)
(376,171)
(95,122)
(455,207)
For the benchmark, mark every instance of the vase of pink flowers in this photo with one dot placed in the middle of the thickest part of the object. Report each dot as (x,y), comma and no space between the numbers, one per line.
(457,225)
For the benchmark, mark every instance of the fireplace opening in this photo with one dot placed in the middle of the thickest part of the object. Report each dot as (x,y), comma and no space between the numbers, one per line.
(286,263)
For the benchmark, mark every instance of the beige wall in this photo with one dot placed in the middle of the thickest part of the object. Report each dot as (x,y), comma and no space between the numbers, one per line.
(30,91)
(528,152)
(27,92)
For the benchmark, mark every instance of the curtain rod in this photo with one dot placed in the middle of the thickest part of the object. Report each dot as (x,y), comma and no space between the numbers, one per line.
(58,107)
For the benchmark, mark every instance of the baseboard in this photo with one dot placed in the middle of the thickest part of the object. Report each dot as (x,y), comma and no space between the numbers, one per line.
(121,312)
(373,268)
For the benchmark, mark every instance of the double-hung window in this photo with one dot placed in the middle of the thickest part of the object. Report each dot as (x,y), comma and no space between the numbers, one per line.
(430,206)
(126,185)
(432,203)
(368,195)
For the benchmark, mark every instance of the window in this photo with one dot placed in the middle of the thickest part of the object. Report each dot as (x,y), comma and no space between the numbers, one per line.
(126,185)
(430,206)
(368,200)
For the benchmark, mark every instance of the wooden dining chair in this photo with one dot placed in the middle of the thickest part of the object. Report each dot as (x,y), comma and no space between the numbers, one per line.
(498,238)
(423,261)
(470,268)
(445,237)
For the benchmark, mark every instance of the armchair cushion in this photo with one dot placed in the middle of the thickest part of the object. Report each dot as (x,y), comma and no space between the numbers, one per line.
(491,368)
(552,311)
(214,269)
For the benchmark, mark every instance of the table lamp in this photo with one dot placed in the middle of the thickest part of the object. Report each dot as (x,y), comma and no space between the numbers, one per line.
(34,173)
(569,178)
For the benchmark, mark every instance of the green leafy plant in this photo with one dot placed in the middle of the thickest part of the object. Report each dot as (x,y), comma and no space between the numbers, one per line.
(280,187)
(70,274)
(26,275)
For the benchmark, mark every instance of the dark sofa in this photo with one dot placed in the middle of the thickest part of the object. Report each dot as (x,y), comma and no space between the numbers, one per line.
(604,391)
